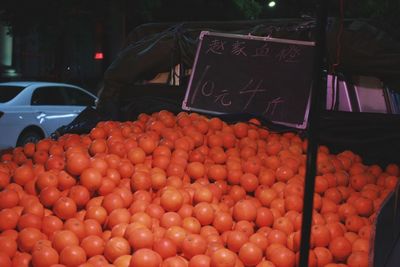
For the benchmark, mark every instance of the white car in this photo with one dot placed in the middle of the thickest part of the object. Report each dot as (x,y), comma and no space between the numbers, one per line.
(30,111)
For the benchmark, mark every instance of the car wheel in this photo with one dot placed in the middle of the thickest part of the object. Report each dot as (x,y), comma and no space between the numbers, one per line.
(29,137)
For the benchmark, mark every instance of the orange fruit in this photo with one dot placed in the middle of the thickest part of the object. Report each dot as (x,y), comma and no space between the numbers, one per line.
(359,259)
(340,248)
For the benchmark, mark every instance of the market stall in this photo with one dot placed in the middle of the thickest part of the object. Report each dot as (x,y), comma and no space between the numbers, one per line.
(374,138)
(364,50)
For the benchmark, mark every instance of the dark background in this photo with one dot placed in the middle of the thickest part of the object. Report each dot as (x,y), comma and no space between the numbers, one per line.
(57,40)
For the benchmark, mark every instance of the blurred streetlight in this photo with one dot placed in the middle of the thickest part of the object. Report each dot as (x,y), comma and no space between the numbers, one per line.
(271,4)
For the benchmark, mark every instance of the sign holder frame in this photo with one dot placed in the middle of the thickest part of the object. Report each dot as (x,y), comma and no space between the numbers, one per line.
(185,102)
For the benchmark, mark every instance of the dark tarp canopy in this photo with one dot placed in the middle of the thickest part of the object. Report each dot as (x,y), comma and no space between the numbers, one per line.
(154,48)
(354,47)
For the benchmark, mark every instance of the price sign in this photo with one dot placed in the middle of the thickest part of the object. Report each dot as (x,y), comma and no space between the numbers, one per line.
(265,77)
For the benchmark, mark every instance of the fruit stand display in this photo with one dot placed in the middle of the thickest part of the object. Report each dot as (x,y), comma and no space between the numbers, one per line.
(184,190)
(174,188)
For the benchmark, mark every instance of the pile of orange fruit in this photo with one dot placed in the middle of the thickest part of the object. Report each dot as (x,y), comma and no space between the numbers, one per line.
(184,190)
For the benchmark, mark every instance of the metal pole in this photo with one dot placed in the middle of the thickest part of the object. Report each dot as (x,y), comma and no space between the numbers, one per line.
(313,129)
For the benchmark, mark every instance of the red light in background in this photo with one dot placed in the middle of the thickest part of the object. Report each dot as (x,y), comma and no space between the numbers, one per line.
(98,55)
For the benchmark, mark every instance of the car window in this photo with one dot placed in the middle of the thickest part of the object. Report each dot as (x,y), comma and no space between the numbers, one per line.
(9,92)
(76,97)
(48,96)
